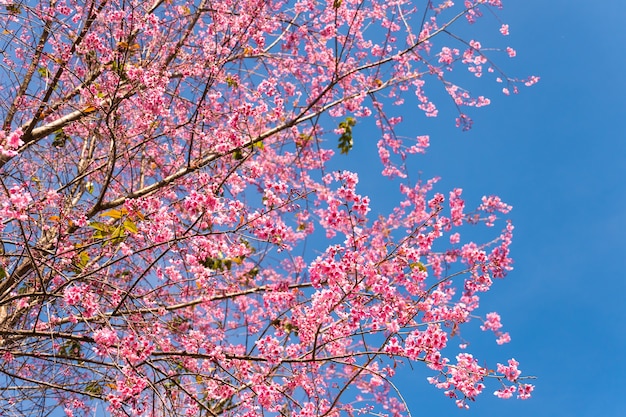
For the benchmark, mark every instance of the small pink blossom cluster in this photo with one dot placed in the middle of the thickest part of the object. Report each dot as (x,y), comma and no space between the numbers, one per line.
(344,206)
(531,81)
(73,294)
(270,349)
(75,405)
(128,389)
(464,122)
(159,228)
(512,373)
(105,338)
(269,396)
(491,205)
(463,381)
(136,348)
(462,97)
(17,204)
(457,205)
(511,52)
(447,55)
(80,295)
(432,339)
(524,391)
(9,144)
(197,202)
(474,59)
(269,227)
(506,392)
(427,106)
(473,13)
(492,322)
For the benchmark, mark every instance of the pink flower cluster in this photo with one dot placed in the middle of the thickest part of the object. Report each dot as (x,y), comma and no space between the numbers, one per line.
(432,339)
(136,348)
(492,322)
(447,55)
(270,349)
(105,338)
(128,389)
(463,381)
(512,373)
(80,295)
(457,205)
(73,294)
(9,144)
(17,204)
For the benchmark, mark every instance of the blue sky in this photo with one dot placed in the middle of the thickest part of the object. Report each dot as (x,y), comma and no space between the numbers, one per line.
(557,153)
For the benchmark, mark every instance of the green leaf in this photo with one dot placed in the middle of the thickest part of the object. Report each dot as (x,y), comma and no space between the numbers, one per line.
(59,139)
(102,227)
(418,265)
(212,263)
(130,226)
(118,233)
(345,143)
(93,387)
(290,327)
(116,67)
(82,260)
(303,140)
(345,140)
(43,71)
(115,214)
(100,235)
(103,231)
(228,263)
(231,82)
(253,272)
(13,8)
(71,348)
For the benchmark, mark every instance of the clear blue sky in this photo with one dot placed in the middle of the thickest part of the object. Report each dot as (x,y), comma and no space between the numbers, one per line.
(557,153)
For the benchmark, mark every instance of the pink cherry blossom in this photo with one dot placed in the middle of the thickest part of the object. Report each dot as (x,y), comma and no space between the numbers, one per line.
(506,393)
(181,234)
(511,52)
(510,372)
(524,391)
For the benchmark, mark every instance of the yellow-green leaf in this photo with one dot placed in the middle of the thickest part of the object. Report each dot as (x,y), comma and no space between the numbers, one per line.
(418,265)
(118,233)
(82,259)
(115,214)
(102,227)
(43,71)
(130,226)
(94,388)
